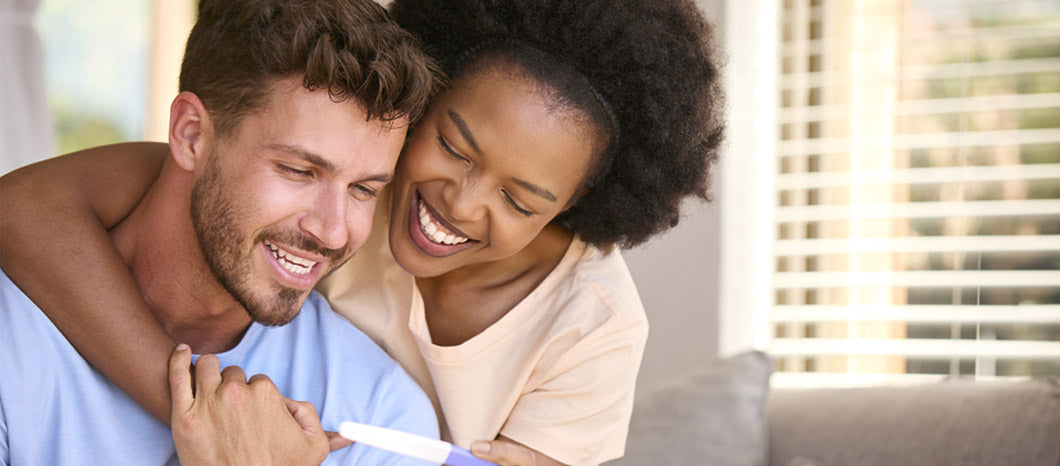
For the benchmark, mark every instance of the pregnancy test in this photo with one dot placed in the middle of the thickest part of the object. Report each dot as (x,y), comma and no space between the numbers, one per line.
(412,445)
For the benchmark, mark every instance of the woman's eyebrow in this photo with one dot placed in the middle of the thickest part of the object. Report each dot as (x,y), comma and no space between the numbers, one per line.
(461,125)
(536,189)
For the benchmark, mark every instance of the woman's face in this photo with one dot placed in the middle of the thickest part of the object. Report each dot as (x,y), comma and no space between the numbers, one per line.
(490,165)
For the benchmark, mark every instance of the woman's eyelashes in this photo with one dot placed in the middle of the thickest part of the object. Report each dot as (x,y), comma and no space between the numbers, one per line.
(515,205)
(449,150)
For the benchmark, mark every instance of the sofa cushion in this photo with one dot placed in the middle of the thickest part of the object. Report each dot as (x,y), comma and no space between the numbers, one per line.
(951,423)
(714,415)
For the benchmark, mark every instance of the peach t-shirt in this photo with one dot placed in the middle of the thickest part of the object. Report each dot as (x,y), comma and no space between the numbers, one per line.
(556,373)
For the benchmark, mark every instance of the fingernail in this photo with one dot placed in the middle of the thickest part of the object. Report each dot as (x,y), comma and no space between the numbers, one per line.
(480,447)
(183,347)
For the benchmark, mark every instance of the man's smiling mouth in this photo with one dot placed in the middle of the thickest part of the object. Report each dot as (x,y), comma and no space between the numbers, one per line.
(290,262)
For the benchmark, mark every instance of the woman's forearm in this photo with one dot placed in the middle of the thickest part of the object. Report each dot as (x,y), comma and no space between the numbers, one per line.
(55,247)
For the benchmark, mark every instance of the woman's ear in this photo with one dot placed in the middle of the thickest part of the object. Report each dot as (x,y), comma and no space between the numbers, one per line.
(190,130)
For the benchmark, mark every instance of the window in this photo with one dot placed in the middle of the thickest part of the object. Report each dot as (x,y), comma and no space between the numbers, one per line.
(95,64)
(112,68)
(904,189)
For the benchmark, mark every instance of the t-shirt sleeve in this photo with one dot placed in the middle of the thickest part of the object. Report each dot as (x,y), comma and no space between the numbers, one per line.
(580,414)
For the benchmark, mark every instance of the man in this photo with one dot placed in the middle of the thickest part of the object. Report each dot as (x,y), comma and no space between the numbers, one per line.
(289,121)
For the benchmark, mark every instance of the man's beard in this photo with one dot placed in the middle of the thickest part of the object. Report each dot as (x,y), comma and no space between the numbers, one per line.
(221,239)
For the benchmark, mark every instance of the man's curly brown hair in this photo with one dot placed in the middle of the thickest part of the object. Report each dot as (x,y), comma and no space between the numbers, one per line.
(349,48)
(654,64)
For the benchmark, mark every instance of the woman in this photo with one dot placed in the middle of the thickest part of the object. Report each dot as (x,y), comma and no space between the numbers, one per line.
(570,128)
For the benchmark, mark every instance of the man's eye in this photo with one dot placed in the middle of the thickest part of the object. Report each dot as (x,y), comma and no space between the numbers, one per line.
(295,172)
(363,192)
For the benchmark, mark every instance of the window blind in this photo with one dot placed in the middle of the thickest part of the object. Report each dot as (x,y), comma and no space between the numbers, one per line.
(916,191)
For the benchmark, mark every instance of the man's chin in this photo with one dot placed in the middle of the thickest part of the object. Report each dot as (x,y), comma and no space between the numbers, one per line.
(284,307)
(274,317)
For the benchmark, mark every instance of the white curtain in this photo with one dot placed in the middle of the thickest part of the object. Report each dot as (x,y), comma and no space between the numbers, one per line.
(26,133)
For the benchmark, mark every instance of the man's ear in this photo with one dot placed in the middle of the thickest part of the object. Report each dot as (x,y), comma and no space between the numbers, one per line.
(191,130)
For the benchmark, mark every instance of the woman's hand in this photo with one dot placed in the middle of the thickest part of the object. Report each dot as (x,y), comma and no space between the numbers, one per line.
(507,452)
(229,420)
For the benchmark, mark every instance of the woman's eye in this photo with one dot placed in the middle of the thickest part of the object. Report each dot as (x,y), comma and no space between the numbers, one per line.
(515,205)
(449,149)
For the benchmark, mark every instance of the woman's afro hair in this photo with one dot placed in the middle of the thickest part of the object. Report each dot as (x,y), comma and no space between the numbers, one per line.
(654,63)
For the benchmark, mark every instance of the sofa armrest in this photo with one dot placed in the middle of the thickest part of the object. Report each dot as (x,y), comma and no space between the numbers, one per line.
(714,415)
(950,423)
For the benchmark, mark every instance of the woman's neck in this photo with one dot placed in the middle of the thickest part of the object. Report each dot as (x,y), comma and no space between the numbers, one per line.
(462,303)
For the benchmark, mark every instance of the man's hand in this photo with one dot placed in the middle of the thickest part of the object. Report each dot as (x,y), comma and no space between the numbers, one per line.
(507,452)
(228,420)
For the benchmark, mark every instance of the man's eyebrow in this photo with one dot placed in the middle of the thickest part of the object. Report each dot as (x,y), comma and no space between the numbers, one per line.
(382,177)
(304,155)
(461,125)
(536,189)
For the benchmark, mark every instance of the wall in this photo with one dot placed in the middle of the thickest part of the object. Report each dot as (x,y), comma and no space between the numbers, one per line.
(677,276)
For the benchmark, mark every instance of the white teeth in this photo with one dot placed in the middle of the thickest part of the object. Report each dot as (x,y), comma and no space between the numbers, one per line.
(435,232)
(290,262)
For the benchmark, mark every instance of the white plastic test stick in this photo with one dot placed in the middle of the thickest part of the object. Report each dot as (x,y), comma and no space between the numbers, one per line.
(412,445)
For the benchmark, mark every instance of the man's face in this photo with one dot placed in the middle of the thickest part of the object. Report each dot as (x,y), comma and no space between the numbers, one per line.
(289,196)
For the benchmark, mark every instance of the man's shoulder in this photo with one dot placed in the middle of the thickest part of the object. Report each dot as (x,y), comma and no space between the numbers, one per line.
(51,396)
(318,337)
(362,383)
(22,321)
(336,335)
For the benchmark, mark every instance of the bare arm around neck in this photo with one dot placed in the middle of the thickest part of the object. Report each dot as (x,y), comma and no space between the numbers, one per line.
(54,245)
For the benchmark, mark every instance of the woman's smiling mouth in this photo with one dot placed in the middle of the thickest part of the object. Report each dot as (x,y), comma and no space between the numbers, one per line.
(435,230)
(431,234)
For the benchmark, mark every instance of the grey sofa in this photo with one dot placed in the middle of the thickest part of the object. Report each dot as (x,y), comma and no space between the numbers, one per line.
(725,414)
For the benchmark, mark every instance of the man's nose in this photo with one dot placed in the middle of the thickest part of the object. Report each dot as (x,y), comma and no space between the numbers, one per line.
(326,220)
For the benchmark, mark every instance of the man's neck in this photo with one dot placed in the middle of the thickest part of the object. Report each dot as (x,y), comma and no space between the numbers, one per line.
(158,242)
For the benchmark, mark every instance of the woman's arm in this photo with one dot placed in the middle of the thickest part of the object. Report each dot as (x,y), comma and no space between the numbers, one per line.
(54,245)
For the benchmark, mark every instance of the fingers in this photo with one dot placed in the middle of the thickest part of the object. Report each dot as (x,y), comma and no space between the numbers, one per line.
(306,414)
(207,374)
(504,453)
(262,379)
(233,374)
(180,390)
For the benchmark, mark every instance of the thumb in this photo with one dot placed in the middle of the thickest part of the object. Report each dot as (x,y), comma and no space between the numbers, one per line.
(336,441)
(504,452)
(180,389)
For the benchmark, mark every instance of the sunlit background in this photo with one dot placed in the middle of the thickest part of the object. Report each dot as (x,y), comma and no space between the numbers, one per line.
(887,210)
(96,62)
(907,195)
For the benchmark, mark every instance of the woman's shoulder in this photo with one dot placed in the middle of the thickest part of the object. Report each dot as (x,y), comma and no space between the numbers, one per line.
(592,281)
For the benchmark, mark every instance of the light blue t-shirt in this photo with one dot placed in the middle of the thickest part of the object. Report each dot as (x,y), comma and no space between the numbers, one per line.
(55,409)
